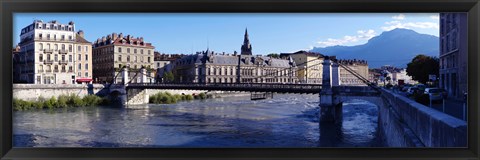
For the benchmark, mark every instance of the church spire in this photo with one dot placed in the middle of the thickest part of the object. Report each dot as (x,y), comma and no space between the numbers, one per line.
(246,47)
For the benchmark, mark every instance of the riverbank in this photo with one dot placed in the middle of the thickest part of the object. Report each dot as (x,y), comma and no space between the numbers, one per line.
(63,101)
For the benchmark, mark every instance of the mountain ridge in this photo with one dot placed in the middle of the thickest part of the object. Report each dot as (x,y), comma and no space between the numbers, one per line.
(396,48)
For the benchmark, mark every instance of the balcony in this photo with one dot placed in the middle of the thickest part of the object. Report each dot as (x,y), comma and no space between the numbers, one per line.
(63,62)
(40,71)
(48,50)
(55,70)
(48,62)
(48,71)
(62,51)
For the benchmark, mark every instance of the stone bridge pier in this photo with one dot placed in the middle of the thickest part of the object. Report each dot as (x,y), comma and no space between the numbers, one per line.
(332,94)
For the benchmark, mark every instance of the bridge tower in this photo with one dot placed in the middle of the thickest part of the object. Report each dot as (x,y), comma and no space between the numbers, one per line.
(143,71)
(124,76)
(329,111)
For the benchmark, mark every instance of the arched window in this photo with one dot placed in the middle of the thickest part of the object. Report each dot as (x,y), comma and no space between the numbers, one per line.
(56,47)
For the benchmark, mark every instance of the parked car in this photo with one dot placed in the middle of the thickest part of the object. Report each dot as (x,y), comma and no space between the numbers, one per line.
(435,94)
(411,90)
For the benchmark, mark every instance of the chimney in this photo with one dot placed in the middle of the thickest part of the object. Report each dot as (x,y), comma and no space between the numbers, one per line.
(81,34)
(121,35)
(114,36)
(104,39)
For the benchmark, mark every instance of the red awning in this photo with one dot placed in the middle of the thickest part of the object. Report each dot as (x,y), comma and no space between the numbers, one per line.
(84,79)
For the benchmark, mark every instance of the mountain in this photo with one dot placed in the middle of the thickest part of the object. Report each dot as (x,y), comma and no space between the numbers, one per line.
(396,48)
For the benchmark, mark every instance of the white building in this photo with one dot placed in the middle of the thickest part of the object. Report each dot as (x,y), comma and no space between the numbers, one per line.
(47,53)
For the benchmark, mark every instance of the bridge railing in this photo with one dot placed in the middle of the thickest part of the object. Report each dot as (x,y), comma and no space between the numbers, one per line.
(261,87)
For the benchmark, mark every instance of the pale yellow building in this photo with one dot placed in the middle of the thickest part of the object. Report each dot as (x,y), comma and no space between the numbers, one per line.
(309,66)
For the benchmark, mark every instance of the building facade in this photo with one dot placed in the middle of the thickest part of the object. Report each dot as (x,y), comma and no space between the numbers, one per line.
(47,53)
(347,78)
(164,63)
(309,66)
(453,53)
(113,52)
(210,67)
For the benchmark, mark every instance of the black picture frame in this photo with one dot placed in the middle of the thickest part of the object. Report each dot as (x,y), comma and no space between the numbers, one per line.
(8,7)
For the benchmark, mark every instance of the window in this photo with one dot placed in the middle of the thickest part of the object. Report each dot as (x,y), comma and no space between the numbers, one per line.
(86,48)
(63,47)
(63,37)
(55,37)
(48,46)
(40,36)
(119,49)
(128,58)
(86,57)
(86,66)
(63,58)
(40,57)
(79,66)
(149,52)
(48,36)
(79,48)
(41,46)
(119,57)
(128,50)
(56,57)
(56,47)
(70,58)
(141,51)
(148,59)
(86,74)
(79,74)
(70,48)
(134,50)
(70,38)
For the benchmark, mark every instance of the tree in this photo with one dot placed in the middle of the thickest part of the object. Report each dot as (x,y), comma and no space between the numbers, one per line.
(421,66)
(168,76)
(273,55)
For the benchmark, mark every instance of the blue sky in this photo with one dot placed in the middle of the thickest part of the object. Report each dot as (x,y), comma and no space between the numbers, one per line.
(223,32)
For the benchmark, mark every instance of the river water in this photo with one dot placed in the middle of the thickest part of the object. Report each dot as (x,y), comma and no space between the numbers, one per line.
(287,120)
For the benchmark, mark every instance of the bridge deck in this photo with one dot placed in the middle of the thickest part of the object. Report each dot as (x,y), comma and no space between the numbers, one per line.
(247,87)
(256,87)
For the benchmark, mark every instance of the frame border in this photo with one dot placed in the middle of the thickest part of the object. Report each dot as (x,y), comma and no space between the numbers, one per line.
(8,7)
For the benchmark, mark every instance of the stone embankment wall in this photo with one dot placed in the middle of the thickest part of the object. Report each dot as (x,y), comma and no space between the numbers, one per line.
(407,123)
(32,92)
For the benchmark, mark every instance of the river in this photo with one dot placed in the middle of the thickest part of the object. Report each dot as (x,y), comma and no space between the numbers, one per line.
(287,120)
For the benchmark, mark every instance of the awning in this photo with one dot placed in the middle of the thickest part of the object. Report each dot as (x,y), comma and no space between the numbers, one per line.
(84,79)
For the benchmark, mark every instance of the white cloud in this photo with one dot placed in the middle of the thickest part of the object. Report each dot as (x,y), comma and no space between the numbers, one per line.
(361,35)
(437,17)
(399,17)
(409,25)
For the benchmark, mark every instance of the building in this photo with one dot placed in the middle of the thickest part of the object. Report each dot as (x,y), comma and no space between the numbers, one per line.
(47,54)
(15,58)
(358,66)
(210,67)
(246,47)
(453,54)
(164,63)
(83,60)
(374,75)
(309,65)
(113,52)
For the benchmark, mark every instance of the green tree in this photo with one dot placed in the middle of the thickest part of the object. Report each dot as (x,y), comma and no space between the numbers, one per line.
(421,66)
(168,77)
(273,55)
